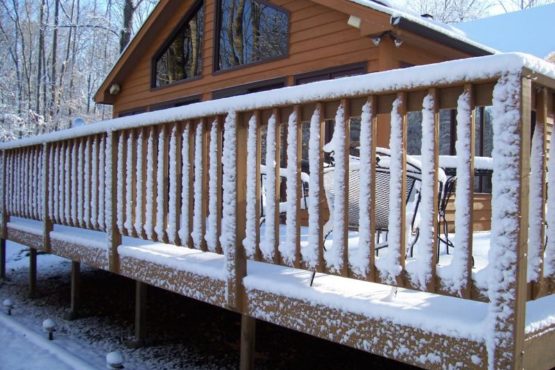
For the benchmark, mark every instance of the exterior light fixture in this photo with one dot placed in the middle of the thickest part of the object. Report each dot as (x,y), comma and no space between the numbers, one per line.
(376,40)
(398,42)
(49,326)
(114,360)
(8,304)
(115,89)
(354,21)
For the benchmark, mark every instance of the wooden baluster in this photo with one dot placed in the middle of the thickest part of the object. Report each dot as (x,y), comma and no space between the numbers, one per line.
(162,185)
(277,185)
(204,181)
(538,191)
(174,201)
(47,194)
(88,182)
(113,234)
(299,190)
(130,182)
(80,182)
(140,184)
(219,186)
(3,215)
(197,234)
(67,183)
(122,176)
(214,188)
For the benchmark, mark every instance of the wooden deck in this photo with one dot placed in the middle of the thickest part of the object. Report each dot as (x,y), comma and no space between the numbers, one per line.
(174,198)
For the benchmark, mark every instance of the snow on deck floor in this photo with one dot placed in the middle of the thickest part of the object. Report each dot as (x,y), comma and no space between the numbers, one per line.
(447,315)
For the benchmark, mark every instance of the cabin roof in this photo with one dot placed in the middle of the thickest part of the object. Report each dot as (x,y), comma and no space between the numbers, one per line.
(398,19)
(523,31)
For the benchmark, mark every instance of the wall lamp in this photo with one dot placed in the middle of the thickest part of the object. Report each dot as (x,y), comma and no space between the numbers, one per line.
(376,40)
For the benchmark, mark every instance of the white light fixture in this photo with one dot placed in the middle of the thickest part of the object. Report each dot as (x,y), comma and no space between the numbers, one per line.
(114,360)
(49,326)
(8,304)
(376,40)
(398,42)
(115,89)
(354,21)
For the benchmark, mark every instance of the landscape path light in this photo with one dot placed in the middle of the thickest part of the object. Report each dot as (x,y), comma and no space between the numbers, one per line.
(8,304)
(114,360)
(49,326)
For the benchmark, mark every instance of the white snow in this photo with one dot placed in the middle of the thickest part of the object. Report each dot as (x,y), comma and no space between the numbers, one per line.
(74,164)
(288,247)
(460,71)
(389,266)
(103,153)
(359,260)
(94,183)
(267,245)
(160,188)
(229,202)
(536,206)
(252,202)
(139,217)
(121,183)
(424,251)
(310,254)
(80,181)
(184,223)
(129,170)
(24,349)
(198,217)
(87,180)
(171,229)
(549,264)
(459,272)
(149,195)
(503,253)
(211,234)
(334,255)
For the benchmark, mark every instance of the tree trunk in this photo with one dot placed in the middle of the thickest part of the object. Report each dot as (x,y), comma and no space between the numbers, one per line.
(54,57)
(125,35)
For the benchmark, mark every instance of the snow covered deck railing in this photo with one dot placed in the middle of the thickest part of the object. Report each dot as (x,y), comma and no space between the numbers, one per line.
(190,176)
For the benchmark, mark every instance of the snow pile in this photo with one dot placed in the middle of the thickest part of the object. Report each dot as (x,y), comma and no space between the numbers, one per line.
(549,264)
(229,185)
(129,199)
(149,195)
(121,183)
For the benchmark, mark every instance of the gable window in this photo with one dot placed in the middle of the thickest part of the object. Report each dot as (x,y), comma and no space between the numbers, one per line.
(250,31)
(181,57)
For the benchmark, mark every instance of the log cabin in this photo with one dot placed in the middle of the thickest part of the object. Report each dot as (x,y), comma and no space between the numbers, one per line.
(200,180)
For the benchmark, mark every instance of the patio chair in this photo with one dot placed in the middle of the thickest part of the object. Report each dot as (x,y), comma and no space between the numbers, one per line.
(381,210)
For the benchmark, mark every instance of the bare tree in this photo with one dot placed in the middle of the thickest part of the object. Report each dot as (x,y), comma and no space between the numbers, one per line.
(452,11)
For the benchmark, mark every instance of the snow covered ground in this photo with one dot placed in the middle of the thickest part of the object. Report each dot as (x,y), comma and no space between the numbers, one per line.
(183,334)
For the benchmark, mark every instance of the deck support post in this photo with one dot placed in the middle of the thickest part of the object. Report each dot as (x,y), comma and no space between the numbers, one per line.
(75,299)
(248,336)
(2,259)
(140,313)
(32,273)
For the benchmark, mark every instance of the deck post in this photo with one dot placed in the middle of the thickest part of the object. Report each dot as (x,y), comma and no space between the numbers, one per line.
(508,256)
(248,335)
(234,208)
(2,259)
(75,291)
(140,313)
(114,235)
(32,273)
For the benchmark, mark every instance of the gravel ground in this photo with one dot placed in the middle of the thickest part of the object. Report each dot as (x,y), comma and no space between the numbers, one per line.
(182,333)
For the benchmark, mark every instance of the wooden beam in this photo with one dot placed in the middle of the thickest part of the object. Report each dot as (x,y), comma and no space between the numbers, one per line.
(112,231)
(75,297)
(32,273)
(248,336)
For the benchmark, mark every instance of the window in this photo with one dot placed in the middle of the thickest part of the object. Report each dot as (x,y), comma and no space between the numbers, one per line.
(249,88)
(181,56)
(250,31)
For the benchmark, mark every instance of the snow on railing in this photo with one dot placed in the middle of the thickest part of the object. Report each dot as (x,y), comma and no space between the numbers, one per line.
(157,176)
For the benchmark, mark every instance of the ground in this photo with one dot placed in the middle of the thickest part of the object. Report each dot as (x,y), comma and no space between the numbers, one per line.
(182,333)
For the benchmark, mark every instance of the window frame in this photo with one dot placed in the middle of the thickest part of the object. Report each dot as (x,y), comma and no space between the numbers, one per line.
(194,9)
(216,43)
(249,88)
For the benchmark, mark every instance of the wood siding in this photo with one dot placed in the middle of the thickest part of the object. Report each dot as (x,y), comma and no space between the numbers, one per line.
(319,38)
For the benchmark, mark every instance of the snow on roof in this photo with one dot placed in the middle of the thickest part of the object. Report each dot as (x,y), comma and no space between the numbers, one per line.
(529,31)
(396,9)
(445,73)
